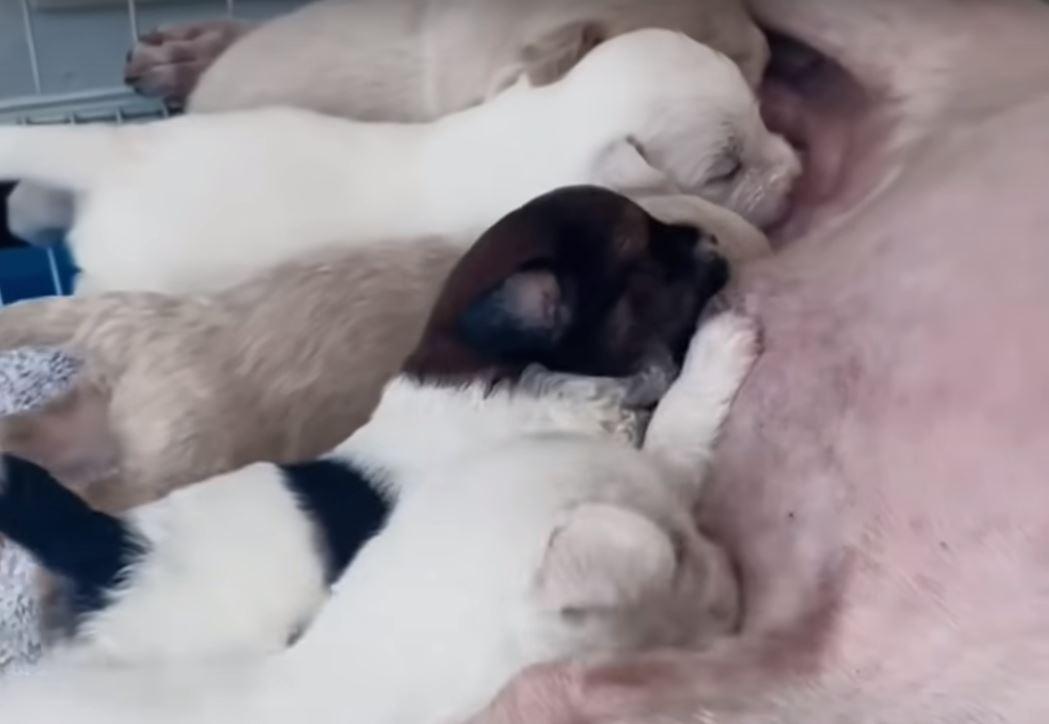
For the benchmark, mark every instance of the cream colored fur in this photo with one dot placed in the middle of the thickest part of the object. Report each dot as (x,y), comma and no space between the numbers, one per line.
(413,60)
(279,368)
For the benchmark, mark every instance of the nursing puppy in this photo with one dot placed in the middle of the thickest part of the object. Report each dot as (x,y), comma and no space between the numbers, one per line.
(176,389)
(302,350)
(393,60)
(193,204)
(412,60)
(518,532)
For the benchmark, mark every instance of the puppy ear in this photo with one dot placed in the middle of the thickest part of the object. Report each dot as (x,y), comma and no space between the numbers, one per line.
(526,314)
(549,57)
(623,166)
(605,557)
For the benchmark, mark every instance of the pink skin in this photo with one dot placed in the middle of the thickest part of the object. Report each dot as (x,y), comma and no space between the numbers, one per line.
(167,63)
(884,479)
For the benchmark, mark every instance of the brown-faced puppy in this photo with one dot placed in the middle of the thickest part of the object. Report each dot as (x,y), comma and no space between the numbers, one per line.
(581,281)
(283,367)
(585,281)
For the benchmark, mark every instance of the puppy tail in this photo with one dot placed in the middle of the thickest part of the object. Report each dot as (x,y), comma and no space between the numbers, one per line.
(92,551)
(69,158)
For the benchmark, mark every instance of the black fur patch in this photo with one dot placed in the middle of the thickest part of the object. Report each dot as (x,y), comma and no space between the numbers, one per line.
(92,551)
(344,504)
(6,239)
(527,315)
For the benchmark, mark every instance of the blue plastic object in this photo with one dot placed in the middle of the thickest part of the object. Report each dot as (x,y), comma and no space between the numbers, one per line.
(30,272)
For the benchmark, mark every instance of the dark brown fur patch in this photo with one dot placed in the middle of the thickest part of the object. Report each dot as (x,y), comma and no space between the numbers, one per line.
(632,285)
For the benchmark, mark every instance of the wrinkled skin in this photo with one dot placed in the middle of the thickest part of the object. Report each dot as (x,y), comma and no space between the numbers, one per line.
(882,482)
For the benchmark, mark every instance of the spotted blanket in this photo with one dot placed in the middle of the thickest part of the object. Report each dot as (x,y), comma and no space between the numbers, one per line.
(29,378)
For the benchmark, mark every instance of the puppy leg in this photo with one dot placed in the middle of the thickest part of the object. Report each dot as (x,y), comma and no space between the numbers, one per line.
(69,158)
(686,423)
(71,438)
(168,62)
(51,415)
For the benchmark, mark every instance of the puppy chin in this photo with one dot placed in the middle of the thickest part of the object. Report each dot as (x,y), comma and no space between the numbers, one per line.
(763,201)
(772,211)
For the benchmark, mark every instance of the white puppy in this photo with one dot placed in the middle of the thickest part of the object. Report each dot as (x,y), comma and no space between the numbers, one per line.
(530,548)
(519,532)
(391,60)
(204,201)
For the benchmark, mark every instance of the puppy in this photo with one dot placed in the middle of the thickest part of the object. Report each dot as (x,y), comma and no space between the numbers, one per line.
(201,202)
(511,529)
(413,60)
(301,350)
(392,60)
(177,389)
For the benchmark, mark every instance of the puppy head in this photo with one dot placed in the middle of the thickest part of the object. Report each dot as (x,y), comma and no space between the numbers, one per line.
(688,122)
(580,280)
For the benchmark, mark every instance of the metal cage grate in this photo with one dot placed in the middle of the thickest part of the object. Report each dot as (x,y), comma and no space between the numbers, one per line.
(62,63)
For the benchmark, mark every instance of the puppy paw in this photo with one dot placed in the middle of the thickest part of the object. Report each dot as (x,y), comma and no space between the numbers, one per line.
(723,351)
(167,63)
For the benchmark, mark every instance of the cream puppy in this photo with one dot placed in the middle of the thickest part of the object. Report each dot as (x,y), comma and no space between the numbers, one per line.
(413,60)
(301,350)
(201,202)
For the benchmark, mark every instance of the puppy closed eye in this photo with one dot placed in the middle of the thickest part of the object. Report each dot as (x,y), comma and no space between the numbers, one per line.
(725,169)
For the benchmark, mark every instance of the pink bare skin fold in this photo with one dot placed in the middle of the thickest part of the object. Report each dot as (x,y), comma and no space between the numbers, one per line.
(883,482)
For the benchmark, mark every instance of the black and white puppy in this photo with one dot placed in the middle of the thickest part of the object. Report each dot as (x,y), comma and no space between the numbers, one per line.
(578,281)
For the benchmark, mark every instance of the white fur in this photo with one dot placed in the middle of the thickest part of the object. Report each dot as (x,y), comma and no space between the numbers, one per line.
(519,548)
(233,566)
(201,202)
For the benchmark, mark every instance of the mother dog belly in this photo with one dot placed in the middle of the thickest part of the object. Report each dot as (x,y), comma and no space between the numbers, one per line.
(882,477)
